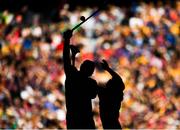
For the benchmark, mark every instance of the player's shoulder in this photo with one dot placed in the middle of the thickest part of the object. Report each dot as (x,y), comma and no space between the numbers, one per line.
(72,71)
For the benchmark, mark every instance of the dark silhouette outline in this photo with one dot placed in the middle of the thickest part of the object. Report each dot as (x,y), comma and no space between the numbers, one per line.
(110,98)
(79,88)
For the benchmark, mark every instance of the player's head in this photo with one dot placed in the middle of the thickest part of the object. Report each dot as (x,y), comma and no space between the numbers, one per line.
(87,67)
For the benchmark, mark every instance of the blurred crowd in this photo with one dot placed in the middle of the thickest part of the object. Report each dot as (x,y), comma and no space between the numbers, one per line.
(141,43)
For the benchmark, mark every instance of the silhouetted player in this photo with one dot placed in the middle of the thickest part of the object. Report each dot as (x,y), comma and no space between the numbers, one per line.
(110,99)
(79,89)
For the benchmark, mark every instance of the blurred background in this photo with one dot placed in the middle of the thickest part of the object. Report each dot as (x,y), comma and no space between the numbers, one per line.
(139,39)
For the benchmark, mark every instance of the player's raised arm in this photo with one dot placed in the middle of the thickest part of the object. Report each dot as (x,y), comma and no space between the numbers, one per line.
(106,67)
(66,50)
(115,76)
